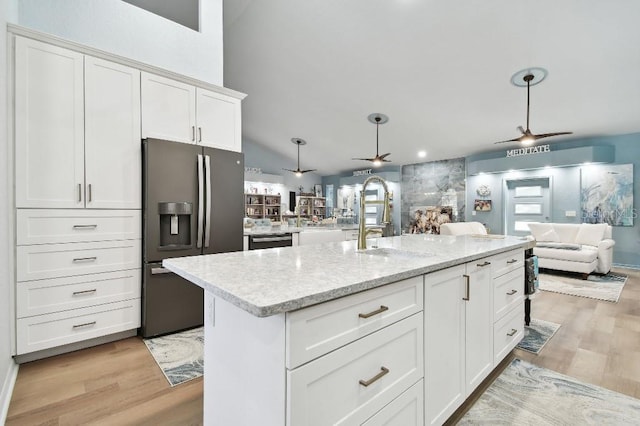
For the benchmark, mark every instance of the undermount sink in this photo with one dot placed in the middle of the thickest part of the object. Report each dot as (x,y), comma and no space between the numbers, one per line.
(395,253)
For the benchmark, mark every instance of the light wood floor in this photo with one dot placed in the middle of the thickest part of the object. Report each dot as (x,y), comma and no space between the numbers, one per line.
(120,383)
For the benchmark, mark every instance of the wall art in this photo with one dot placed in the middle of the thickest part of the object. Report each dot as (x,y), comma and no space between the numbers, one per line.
(606,194)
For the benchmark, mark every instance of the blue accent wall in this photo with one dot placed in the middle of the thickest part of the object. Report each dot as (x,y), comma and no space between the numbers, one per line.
(565,186)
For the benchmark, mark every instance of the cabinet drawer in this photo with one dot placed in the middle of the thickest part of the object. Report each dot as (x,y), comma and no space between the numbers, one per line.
(40,262)
(508,332)
(314,331)
(76,226)
(507,262)
(405,410)
(331,389)
(508,291)
(62,294)
(61,328)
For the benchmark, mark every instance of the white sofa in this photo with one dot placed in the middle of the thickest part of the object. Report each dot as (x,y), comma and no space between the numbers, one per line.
(463,228)
(581,247)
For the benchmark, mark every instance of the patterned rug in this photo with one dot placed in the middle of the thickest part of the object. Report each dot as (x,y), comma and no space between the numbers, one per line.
(179,355)
(602,287)
(537,334)
(525,394)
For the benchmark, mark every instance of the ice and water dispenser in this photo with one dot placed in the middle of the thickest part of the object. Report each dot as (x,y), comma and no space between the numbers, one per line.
(175,225)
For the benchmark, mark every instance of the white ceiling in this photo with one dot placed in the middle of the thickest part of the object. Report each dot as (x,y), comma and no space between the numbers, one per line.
(439,69)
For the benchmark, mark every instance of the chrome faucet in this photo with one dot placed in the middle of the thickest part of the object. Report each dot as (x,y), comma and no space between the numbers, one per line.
(386,213)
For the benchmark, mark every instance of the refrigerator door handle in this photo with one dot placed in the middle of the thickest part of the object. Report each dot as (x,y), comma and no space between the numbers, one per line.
(207,221)
(200,201)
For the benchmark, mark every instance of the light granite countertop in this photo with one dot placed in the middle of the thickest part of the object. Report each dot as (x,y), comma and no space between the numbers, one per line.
(273,281)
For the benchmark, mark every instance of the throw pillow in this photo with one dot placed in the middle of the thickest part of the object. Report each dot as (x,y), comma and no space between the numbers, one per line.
(590,234)
(539,229)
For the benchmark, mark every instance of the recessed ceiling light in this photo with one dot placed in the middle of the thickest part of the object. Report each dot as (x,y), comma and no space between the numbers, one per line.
(422,154)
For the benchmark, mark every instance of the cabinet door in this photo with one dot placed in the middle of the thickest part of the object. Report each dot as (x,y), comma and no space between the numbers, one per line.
(49,126)
(112,135)
(168,109)
(479,323)
(444,343)
(219,120)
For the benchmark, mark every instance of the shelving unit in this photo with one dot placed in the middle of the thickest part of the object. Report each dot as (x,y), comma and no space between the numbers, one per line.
(312,206)
(262,206)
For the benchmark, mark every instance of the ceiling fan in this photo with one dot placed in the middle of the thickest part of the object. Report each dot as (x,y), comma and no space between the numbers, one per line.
(377,119)
(297,171)
(530,77)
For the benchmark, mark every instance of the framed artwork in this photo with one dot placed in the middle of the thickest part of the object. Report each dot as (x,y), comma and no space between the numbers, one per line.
(318,190)
(482,205)
(606,194)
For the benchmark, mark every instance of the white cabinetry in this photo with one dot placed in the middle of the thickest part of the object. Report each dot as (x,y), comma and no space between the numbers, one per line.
(180,112)
(478,305)
(508,305)
(78,274)
(112,155)
(49,125)
(467,339)
(78,197)
(77,130)
(351,360)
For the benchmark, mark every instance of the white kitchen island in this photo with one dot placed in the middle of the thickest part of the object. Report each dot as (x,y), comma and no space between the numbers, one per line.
(398,334)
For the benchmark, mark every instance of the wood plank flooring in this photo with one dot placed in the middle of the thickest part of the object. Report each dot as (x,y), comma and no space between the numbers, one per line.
(120,384)
(117,383)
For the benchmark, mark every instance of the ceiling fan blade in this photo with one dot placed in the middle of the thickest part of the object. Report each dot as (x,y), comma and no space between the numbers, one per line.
(510,140)
(364,159)
(381,157)
(309,170)
(521,130)
(546,135)
(289,170)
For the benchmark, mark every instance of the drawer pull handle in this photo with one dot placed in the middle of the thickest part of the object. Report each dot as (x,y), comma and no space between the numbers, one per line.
(83,292)
(377,311)
(512,332)
(85,259)
(512,292)
(85,226)
(512,261)
(86,324)
(485,263)
(383,371)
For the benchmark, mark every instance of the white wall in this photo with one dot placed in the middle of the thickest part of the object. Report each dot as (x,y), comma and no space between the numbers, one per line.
(120,28)
(8,368)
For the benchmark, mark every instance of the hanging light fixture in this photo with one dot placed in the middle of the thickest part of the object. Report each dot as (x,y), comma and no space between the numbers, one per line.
(377,119)
(297,171)
(526,78)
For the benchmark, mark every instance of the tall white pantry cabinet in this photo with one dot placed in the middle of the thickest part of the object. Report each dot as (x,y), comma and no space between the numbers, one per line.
(79,116)
(77,196)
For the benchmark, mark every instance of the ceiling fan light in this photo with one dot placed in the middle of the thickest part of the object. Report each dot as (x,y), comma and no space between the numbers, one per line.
(377,163)
(298,174)
(527,140)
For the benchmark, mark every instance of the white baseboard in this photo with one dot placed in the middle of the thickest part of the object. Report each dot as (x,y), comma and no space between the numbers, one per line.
(7,391)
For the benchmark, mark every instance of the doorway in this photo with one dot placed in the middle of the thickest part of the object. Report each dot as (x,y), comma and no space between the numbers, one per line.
(527,200)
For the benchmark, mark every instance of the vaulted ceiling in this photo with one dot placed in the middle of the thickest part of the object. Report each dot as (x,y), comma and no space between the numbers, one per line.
(440,70)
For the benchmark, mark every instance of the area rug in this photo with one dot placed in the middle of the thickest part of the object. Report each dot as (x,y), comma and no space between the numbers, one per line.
(537,334)
(179,355)
(602,287)
(525,394)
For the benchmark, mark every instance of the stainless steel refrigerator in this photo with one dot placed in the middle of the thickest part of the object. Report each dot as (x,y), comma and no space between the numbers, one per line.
(192,205)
